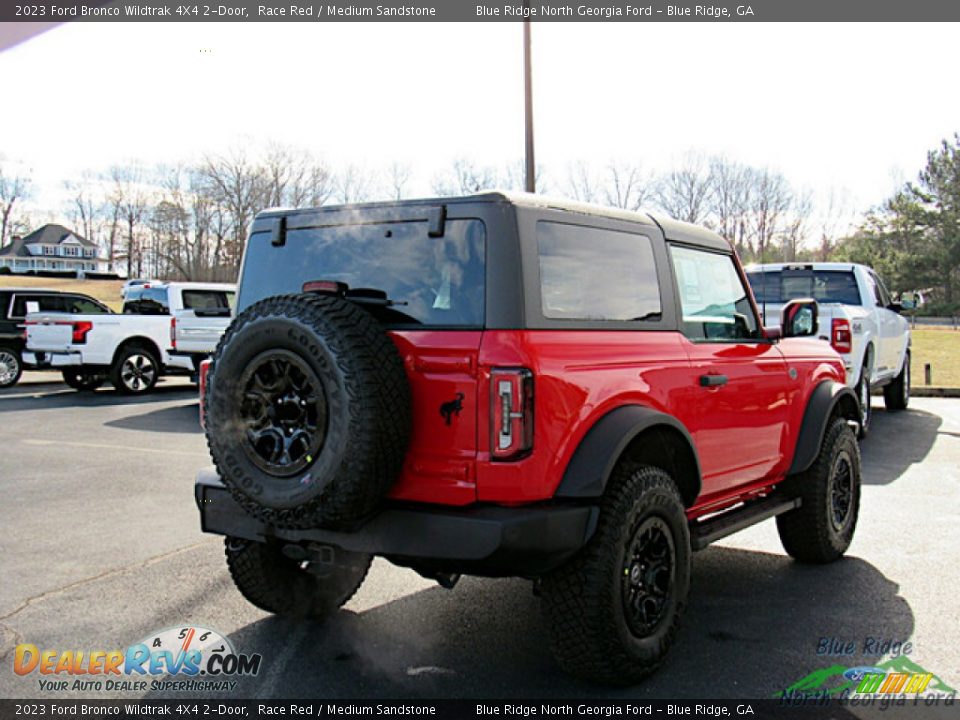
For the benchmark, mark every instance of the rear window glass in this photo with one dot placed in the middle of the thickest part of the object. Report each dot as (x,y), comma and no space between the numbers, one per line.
(826,286)
(207,299)
(22,304)
(594,274)
(147,301)
(431,281)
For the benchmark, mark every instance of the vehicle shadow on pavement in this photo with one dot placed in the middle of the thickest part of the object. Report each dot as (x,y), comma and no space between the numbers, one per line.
(752,628)
(60,396)
(896,442)
(178,419)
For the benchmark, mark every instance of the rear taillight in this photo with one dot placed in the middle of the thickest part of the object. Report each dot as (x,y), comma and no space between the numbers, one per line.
(204,371)
(80,330)
(840,336)
(511,413)
(173,333)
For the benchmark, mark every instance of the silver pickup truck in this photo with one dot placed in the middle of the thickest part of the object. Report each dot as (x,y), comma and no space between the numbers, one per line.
(857,316)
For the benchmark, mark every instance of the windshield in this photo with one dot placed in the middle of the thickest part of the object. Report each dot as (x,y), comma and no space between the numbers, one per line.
(825,286)
(429,281)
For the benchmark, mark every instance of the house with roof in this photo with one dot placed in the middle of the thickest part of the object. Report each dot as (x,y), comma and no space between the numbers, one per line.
(51,247)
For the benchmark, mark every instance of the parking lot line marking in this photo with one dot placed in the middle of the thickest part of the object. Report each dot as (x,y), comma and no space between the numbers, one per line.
(99,446)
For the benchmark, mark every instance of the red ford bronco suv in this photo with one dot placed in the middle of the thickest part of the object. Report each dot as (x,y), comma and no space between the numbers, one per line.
(505,385)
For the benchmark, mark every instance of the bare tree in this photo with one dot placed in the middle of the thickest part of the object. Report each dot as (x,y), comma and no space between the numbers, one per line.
(730,202)
(398,176)
(14,189)
(797,225)
(130,202)
(582,182)
(240,187)
(295,177)
(627,186)
(836,218)
(685,192)
(354,184)
(465,177)
(770,201)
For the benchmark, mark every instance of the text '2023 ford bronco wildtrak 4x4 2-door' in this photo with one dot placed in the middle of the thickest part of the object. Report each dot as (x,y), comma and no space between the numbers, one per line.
(503,385)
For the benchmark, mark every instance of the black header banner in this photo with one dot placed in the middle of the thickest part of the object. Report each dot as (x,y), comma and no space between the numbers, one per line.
(473,10)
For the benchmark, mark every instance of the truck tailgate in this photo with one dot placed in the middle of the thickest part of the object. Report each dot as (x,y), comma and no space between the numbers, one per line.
(49,332)
(199,334)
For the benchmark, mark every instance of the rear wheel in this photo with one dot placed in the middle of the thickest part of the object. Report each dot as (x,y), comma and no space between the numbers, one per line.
(613,610)
(821,529)
(896,395)
(83,379)
(10,367)
(135,371)
(278,584)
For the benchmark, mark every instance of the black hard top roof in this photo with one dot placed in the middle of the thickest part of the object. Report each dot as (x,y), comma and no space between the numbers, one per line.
(672,229)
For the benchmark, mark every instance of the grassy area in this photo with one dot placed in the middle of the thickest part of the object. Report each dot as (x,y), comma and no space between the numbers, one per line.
(106,291)
(941,348)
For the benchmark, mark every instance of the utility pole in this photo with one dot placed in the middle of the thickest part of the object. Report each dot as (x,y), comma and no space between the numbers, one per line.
(530,184)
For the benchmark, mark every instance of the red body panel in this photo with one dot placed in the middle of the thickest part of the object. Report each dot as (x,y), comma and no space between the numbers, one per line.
(744,431)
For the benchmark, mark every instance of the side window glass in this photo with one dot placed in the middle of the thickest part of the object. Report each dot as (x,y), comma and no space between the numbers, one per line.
(715,303)
(81,305)
(591,273)
(43,303)
(881,290)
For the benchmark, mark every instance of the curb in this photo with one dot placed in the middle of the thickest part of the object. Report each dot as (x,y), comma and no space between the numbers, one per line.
(930,391)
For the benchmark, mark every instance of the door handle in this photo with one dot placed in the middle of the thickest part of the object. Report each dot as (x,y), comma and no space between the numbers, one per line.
(712,380)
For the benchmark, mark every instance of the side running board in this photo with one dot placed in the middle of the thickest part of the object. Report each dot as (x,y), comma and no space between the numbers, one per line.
(704,532)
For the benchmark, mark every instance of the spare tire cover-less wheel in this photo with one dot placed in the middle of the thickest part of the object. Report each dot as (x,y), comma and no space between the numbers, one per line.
(308,411)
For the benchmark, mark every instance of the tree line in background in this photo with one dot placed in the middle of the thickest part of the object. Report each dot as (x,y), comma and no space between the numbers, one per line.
(189,220)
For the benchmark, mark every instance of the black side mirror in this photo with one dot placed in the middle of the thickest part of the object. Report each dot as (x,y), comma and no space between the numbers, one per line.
(798,318)
(896,307)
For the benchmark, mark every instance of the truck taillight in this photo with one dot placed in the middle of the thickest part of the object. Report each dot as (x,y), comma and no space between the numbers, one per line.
(80,330)
(511,413)
(173,333)
(204,371)
(840,337)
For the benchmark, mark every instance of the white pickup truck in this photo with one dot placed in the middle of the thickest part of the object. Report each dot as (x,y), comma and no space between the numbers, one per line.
(165,328)
(856,316)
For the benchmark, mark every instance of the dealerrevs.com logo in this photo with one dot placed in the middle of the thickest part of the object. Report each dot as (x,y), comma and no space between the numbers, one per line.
(187,658)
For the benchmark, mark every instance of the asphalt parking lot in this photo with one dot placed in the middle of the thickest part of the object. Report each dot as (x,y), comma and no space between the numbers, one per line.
(100,547)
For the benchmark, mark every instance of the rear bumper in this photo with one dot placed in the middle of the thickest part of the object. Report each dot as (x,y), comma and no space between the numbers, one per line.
(180,361)
(52,359)
(486,540)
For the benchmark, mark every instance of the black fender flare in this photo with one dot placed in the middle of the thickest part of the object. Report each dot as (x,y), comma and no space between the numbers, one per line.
(820,408)
(593,461)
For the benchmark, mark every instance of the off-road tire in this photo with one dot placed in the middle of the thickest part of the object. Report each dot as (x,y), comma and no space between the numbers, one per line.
(359,385)
(863,400)
(813,533)
(83,380)
(273,582)
(896,395)
(140,360)
(13,365)
(583,601)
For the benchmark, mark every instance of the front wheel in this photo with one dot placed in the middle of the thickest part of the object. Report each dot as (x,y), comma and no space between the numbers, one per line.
(10,367)
(821,529)
(83,380)
(613,610)
(135,371)
(278,584)
(896,395)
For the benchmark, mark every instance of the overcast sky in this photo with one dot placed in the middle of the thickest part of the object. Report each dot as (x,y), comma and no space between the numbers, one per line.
(851,106)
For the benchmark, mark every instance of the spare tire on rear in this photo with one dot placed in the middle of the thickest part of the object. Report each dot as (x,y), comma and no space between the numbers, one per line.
(307,411)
